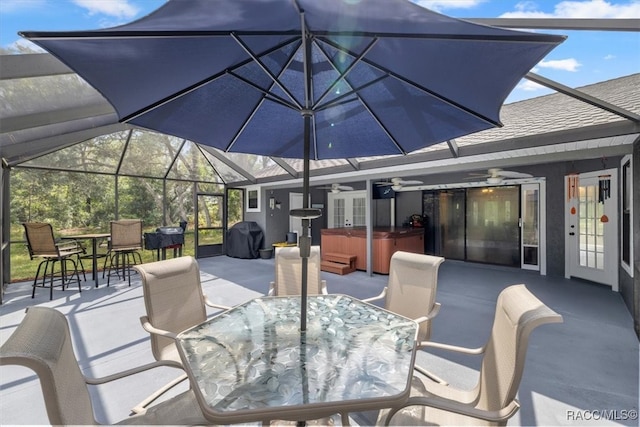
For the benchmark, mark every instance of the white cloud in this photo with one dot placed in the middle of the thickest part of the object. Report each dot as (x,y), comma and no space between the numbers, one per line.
(439,5)
(115,8)
(609,57)
(594,9)
(561,64)
(529,86)
(11,6)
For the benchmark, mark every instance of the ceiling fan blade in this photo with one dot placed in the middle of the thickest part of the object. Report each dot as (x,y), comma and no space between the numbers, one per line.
(345,188)
(514,174)
(411,182)
(383,183)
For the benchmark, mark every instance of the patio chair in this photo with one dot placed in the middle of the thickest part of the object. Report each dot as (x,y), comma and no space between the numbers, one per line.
(42,342)
(288,278)
(411,292)
(42,245)
(124,247)
(174,301)
(411,289)
(493,400)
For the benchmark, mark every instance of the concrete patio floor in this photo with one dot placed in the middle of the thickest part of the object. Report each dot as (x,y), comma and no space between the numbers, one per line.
(584,371)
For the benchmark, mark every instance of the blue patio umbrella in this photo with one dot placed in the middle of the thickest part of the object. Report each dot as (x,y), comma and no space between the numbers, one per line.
(303,79)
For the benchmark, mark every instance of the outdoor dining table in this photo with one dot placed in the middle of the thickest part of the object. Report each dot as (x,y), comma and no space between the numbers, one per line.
(94,237)
(252,363)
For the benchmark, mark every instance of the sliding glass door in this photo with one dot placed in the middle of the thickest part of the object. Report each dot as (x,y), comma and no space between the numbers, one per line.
(474,224)
(493,234)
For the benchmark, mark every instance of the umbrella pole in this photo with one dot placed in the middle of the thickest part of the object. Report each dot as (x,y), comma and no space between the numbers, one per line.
(305,239)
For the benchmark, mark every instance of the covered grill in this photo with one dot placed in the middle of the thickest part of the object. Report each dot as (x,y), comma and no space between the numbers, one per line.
(244,240)
(165,238)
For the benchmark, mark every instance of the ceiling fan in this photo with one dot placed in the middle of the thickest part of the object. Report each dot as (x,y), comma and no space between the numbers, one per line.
(496,175)
(336,188)
(397,183)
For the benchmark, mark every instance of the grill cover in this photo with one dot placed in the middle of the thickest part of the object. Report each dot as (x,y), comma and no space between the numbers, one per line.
(164,237)
(244,240)
(170,230)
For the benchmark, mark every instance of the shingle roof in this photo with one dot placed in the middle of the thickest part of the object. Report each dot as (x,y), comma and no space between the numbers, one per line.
(559,112)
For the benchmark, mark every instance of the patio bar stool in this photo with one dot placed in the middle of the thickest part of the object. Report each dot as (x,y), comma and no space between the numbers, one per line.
(124,247)
(42,244)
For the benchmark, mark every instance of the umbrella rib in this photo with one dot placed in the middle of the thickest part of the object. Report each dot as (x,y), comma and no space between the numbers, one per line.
(142,34)
(197,85)
(265,69)
(244,125)
(354,91)
(419,87)
(268,95)
(384,128)
(346,71)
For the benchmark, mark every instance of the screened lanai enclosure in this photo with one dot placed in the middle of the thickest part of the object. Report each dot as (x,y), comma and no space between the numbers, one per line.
(67,160)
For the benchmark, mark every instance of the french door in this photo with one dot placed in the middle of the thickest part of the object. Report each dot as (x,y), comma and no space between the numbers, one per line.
(347,209)
(591,227)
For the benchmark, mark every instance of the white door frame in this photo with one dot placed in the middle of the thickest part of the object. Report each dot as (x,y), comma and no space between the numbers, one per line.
(608,274)
(542,226)
(348,197)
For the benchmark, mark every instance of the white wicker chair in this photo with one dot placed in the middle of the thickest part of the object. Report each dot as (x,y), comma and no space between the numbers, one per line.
(42,342)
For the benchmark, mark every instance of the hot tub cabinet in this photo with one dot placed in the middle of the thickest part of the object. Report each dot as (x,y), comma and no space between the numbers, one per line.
(386,241)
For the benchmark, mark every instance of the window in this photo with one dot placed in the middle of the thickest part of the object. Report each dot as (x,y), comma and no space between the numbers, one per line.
(253,199)
(626,209)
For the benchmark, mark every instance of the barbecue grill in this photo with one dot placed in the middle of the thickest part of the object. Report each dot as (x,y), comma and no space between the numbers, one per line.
(165,238)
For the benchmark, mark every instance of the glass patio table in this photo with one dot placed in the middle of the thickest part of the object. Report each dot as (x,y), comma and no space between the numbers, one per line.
(252,363)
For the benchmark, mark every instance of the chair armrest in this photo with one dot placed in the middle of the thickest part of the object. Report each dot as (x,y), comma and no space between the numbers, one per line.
(323,287)
(433,313)
(212,304)
(449,347)
(272,289)
(379,297)
(68,244)
(459,408)
(144,320)
(132,371)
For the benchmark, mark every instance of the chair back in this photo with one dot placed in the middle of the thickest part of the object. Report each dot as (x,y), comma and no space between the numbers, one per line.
(40,240)
(288,279)
(411,288)
(126,234)
(518,312)
(42,342)
(173,298)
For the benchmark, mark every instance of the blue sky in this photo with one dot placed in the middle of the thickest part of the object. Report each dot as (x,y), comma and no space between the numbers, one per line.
(585,58)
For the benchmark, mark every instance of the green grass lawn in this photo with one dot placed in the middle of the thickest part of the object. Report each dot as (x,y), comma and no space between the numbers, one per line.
(23,268)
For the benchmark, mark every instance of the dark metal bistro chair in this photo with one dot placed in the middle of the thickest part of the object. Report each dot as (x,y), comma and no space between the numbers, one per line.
(124,247)
(42,245)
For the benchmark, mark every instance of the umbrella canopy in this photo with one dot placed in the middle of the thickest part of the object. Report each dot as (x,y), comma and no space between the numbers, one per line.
(303,78)
(376,77)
